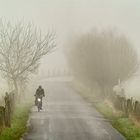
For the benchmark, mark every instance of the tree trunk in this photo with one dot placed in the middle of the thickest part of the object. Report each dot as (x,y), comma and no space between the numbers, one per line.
(110,93)
(107,91)
(103,92)
(15,87)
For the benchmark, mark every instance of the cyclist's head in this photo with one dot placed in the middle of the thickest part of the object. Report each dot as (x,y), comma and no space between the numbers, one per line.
(40,86)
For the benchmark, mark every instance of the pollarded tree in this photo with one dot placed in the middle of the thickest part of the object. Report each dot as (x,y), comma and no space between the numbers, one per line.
(21,48)
(103,57)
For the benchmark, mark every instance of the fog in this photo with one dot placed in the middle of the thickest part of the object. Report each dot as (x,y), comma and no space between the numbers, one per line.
(70,17)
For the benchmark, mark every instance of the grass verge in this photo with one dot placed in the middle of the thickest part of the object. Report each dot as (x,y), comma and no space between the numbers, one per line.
(123,124)
(18,125)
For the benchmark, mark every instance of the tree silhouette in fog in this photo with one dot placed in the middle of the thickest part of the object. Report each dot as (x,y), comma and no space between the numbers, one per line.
(21,48)
(103,57)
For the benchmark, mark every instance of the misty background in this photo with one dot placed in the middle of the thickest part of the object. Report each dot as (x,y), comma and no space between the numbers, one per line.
(70,17)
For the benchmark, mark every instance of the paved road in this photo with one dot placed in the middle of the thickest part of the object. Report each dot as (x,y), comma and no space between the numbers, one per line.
(66,116)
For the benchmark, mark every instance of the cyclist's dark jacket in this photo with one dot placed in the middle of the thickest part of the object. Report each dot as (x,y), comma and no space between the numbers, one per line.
(40,93)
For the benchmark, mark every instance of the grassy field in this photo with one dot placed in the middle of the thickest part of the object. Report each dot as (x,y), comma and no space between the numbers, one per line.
(18,127)
(124,125)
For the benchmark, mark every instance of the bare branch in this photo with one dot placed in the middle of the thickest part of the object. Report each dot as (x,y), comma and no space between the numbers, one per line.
(21,48)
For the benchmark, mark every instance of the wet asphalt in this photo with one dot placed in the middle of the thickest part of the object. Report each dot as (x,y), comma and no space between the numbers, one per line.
(67,116)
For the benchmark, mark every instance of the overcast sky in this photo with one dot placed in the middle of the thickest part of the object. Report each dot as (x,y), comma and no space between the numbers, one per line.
(68,17)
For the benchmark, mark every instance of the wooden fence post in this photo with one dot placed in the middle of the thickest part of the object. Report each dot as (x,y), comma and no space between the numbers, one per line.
(128,106)
(137,109)
(2,117)
(7,110)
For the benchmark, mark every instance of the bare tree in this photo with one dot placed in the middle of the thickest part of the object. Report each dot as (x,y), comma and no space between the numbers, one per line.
(103,57)
(21,48)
